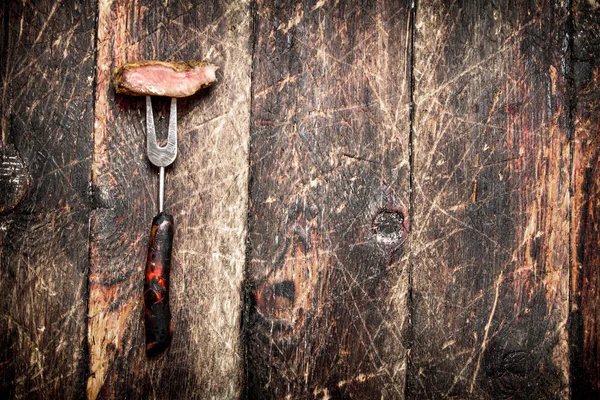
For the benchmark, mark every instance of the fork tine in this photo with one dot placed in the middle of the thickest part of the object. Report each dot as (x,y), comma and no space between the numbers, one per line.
(161,156)
(172,139)
(151,143)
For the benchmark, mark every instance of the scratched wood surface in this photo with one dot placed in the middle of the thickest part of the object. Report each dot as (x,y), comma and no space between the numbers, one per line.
(331,241)
(491,203)
(45,164)
(585,284)
(329,198)
(206,192)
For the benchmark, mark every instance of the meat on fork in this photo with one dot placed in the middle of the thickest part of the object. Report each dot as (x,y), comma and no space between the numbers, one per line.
(159,78)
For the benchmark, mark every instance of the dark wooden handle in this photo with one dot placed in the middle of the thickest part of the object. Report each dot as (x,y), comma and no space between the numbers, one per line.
(157,314)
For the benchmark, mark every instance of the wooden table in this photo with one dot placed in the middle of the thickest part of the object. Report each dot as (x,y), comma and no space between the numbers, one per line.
(378,199)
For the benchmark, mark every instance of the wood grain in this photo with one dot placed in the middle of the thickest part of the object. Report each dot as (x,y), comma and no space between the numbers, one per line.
(585,275)
(491,205)
(444,250)
(45,157)
(327,283)
(206,191)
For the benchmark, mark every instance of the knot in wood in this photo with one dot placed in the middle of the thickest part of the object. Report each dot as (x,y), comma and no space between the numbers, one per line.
(389,227)
(14,179)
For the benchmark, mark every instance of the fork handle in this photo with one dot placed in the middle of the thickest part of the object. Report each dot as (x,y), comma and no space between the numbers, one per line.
(157,314)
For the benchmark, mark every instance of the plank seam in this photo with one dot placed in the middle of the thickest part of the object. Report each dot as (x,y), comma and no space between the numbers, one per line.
(570,126)
(576,383)
(4,70)
(411,115)
(91,197)
(245,295)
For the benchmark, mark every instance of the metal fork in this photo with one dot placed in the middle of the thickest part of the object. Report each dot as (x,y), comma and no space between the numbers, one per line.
(157,314)
(161,156)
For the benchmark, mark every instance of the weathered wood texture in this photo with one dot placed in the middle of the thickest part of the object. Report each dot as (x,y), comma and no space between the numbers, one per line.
(45,157)
(206,191)
(394,251)
(585,316)
(327,282)
(490,234)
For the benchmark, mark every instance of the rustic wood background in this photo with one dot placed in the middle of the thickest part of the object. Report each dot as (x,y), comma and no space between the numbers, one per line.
(378,199)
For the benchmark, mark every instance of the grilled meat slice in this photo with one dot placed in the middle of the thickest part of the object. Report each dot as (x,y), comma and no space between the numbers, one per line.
(159,78)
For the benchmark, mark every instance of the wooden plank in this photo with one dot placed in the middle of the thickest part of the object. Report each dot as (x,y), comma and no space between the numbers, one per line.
(327,281)
(45,159)
(585,275)
(206,191)
(491,203)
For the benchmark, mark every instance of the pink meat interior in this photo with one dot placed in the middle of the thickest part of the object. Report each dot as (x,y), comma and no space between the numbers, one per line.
(161,80)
